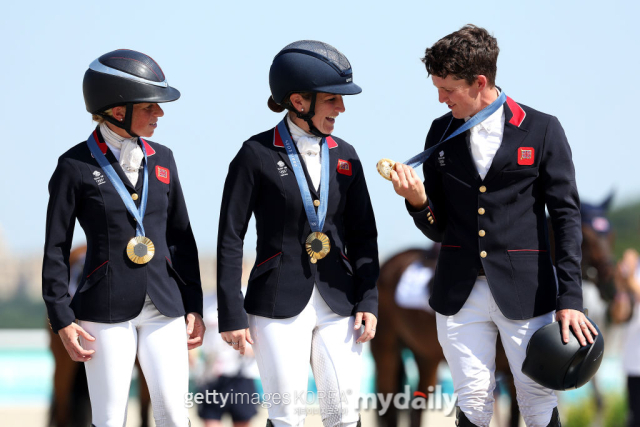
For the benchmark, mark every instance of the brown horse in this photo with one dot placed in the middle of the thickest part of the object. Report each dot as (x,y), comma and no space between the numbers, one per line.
(70,404)
(415,329)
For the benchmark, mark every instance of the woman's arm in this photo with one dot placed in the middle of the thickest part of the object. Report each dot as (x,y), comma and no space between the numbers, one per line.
(238,199)
(361,241)
(182,245)
(64,188)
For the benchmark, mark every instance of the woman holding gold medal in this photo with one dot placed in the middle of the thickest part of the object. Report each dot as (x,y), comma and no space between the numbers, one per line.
(314,281)
(141,275)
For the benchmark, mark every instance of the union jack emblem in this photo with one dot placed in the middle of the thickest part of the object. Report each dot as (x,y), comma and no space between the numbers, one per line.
(526,155)
(162,174)
(344,167)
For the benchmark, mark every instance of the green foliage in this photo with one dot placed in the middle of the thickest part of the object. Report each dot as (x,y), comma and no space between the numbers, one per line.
(616,411)
(625,222)
(578,415)
(584,414)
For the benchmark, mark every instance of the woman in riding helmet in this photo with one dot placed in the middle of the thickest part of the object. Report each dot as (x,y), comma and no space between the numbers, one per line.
(313,285)
(141,280)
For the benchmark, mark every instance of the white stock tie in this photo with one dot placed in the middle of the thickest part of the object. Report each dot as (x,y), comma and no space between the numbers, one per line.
(309,148)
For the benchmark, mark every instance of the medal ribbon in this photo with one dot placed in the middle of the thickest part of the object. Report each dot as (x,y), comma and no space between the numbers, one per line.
(316,222)
(137,213)
(483,114)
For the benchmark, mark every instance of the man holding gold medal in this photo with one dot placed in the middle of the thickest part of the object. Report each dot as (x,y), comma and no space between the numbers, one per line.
(141,276)
(491,166)
(314,281)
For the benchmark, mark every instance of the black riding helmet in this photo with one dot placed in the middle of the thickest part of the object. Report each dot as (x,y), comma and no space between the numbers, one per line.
(310,66)
(559,366)
(124,77)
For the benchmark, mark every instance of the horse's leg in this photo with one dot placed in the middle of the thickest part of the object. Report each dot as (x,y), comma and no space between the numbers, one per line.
(81,403)
(143,396)
(428,369)
(502,365)
(63,379)
(385,351)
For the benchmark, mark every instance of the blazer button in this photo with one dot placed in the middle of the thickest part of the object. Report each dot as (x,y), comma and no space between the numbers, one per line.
(481,233)
(134,196)
(483,189)
(316,203)
(483,254)
(481,211)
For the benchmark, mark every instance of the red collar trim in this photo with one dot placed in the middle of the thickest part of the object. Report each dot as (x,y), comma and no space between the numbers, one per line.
(148,148)
(104,148)
(277,140)
(518,113)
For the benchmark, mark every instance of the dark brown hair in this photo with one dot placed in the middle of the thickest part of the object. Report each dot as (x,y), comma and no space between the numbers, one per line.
(465,54)
(286,104)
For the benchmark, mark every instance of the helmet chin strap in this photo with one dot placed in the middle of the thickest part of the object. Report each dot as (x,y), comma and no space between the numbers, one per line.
(126,125)
(307,118)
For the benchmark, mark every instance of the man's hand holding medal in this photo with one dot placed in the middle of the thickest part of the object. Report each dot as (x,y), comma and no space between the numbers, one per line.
(405,182)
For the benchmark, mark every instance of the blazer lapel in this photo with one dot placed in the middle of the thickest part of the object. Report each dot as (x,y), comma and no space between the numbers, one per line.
(512,138)
(282,152)
(463,152)
(150,170)
(460,147)
(115,165)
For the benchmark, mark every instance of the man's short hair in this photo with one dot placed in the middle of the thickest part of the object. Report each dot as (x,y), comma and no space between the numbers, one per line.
(465,54)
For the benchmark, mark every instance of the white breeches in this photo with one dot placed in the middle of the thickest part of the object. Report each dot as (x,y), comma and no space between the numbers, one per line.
(468,339)
(160,343)
(284,348)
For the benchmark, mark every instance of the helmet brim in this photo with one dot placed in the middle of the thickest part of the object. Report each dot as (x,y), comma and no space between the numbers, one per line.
(341,89)
(168,94)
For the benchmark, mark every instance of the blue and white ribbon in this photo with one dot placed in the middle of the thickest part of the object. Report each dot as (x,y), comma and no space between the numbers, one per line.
(316,221)
(483,114)
(137,213)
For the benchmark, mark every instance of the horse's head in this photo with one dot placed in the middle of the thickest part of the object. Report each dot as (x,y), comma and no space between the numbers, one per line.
(598,264)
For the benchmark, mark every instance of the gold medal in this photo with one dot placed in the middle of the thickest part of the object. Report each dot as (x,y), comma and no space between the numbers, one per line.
(318,246)
(385,166)
(140,249)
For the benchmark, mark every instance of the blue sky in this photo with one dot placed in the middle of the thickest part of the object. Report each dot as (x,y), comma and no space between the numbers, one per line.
(575,60)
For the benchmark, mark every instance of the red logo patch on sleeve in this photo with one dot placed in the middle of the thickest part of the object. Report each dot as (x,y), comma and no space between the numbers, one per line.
(526,155)
(344,167)
(162,174)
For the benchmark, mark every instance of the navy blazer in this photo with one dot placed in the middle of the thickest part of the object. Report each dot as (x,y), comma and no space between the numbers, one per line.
(499,223)
(261,181)
(113,288)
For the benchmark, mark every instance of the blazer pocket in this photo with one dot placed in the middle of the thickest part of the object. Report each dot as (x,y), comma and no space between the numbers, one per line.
(264,266)
(449,248)
(346,264)
(530,270)
(94,277)
(520,173)
(173,273)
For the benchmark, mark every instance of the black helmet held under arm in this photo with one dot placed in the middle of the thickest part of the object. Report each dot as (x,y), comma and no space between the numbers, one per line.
(124,77)
(558,365)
